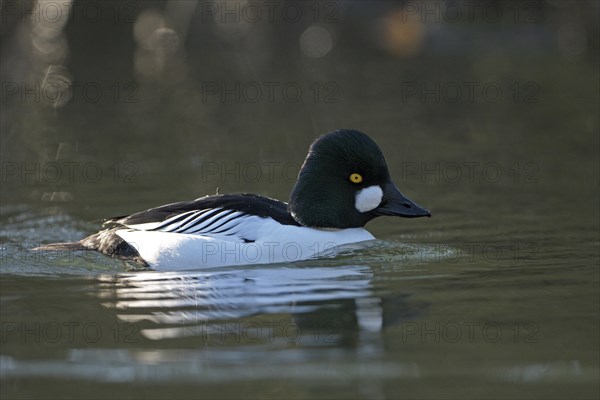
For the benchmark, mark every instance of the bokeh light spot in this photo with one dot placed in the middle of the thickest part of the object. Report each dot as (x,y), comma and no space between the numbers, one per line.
(316,42)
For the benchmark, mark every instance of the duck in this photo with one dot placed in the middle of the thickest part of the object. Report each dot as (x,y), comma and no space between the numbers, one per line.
(343,184)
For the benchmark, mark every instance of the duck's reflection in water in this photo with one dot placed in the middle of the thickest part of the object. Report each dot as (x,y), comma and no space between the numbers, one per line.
(308,305)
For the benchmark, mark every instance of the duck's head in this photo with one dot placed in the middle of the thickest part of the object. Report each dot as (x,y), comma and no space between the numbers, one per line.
(344,183)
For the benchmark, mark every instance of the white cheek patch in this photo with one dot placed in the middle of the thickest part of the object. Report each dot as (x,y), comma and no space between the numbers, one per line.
(368,198)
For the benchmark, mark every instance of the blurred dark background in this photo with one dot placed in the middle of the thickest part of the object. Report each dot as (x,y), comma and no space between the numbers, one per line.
(162,90)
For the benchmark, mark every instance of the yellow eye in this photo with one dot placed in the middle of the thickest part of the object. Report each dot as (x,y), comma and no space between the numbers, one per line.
(356,178)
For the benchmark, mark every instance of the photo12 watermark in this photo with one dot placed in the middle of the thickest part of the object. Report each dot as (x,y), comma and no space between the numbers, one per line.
(469,12)
(60,90)
(265,332)
(429,332)
(269,92)
(250,172)
(469,92)
(470,172)
(68,172)
(60,12)
(270,11)
(210,252)
(67,332)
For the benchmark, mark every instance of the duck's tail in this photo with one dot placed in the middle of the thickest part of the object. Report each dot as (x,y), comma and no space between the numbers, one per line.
(106,241)
(66,246)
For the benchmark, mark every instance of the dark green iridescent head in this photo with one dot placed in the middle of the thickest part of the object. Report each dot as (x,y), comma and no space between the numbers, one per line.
(328,189)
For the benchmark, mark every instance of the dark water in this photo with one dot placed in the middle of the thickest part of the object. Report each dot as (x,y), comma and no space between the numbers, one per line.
(495,296)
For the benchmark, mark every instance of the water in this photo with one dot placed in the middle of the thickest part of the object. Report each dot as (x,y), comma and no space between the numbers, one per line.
(495,296)
(451,306)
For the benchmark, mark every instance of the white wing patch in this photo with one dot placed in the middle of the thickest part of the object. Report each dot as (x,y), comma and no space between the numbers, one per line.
(215,222)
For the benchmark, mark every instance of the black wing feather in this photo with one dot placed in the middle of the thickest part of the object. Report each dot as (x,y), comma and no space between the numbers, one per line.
(246,203)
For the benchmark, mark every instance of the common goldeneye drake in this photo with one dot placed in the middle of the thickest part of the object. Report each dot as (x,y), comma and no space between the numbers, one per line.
(343,184)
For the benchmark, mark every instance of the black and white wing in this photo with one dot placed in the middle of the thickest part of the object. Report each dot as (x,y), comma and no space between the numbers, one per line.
(233,216)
